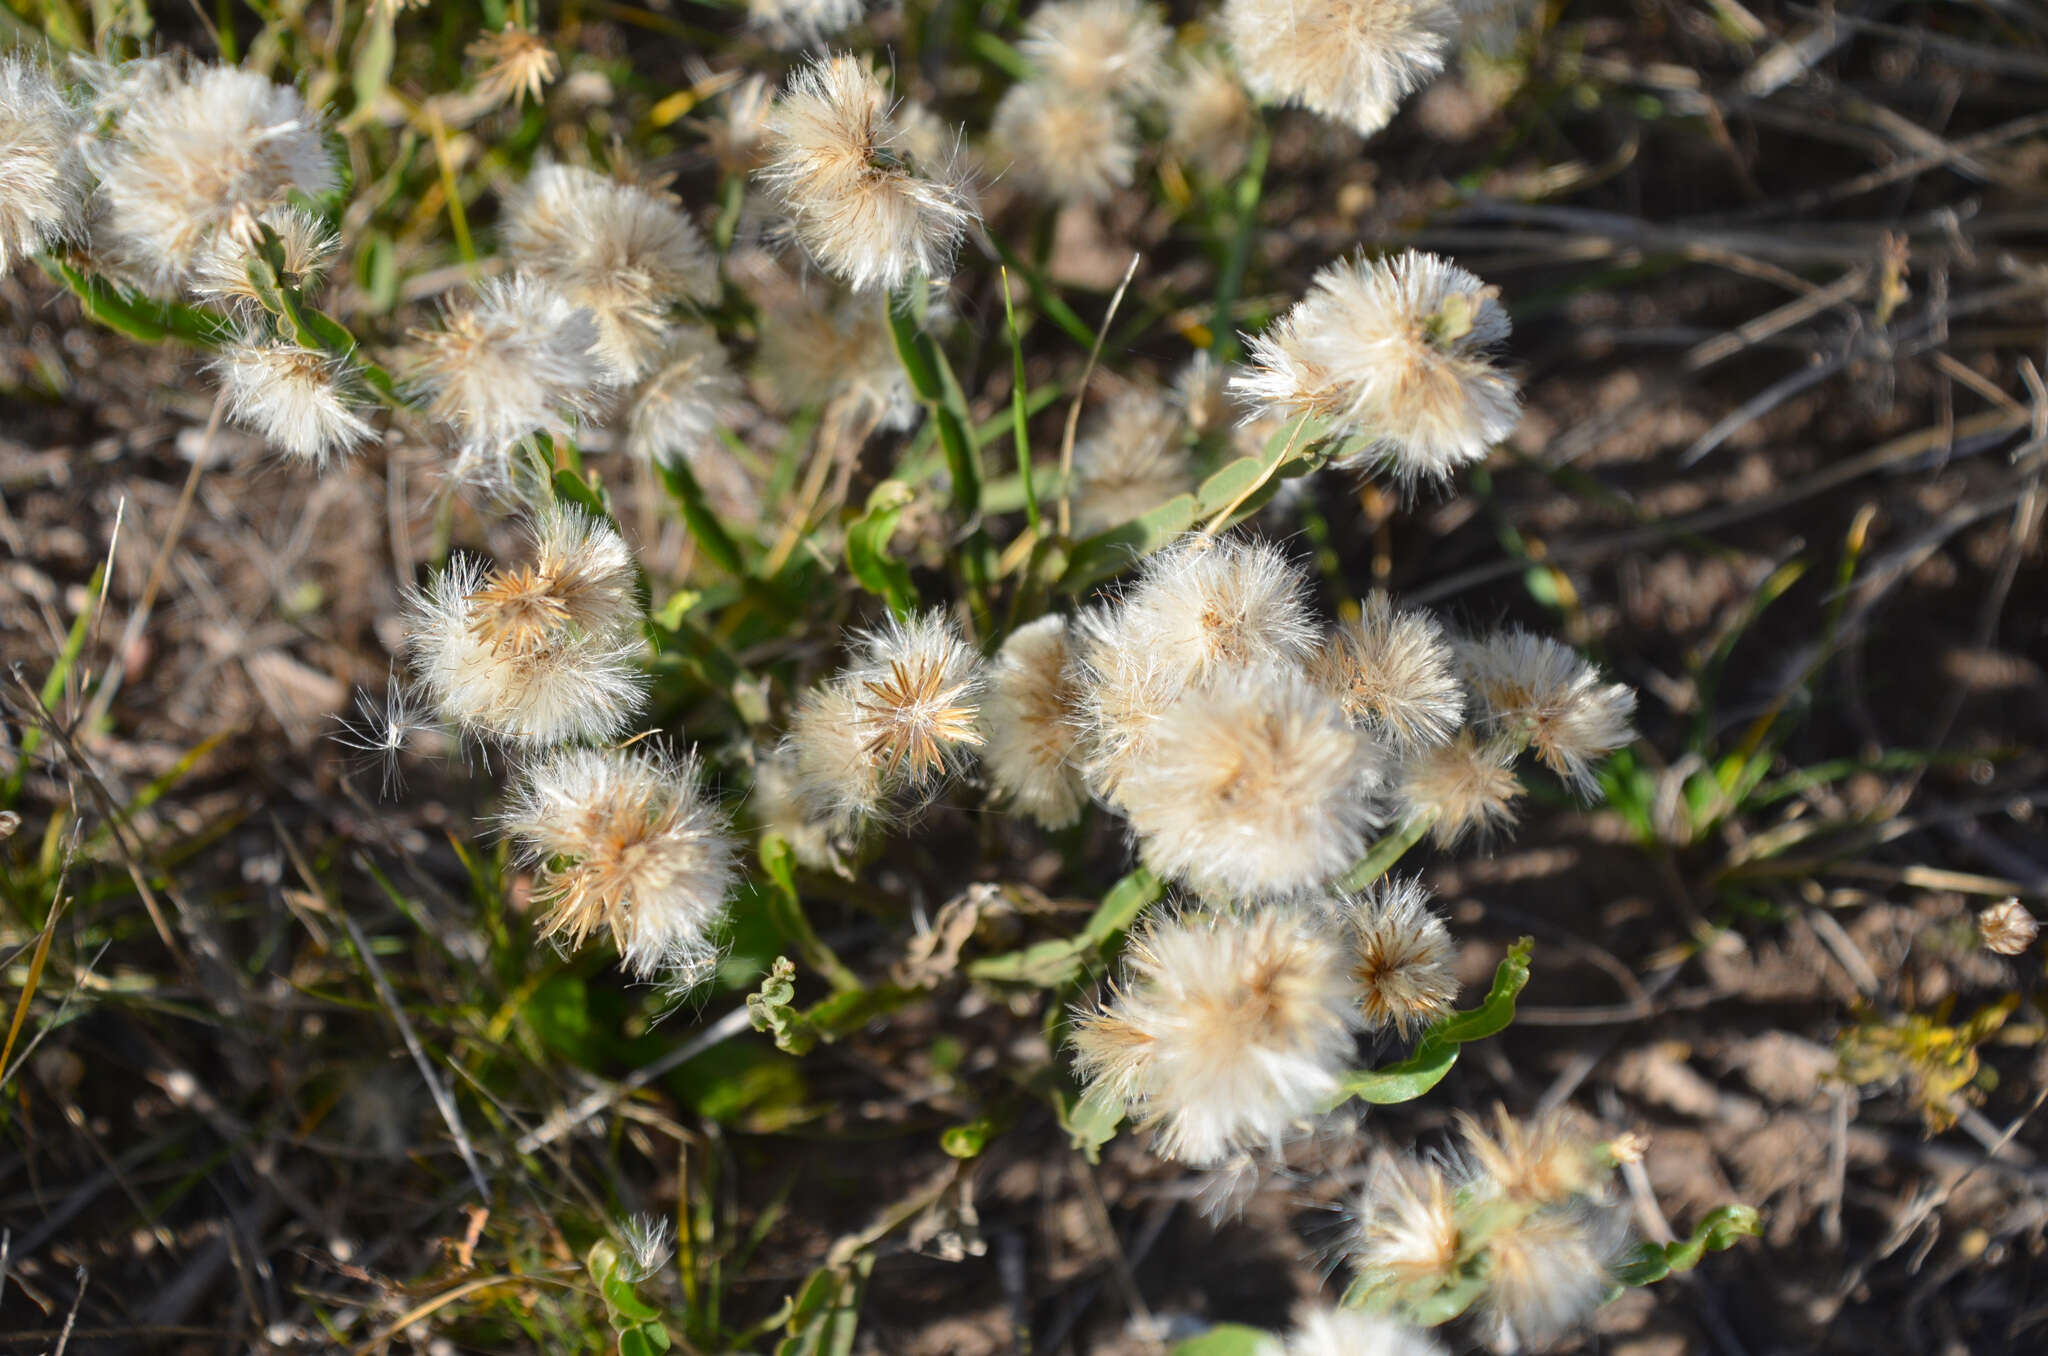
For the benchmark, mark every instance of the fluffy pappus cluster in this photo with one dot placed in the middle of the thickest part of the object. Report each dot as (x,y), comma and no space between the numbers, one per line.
(1523,1222)
(1348,1332)
(42,169)
(861,200)
(1397,354)
(1352,61)
(1068,133)
(799,23)
(1133,459)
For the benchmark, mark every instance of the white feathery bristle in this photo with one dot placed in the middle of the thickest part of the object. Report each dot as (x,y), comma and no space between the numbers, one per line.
(623,253)
(540,654)
(1395,672)
(1222,1031)
(1209,605)
(1352,61)
(1539,690)
(1348,1332)
(688,393)
(1203,395)
(863,206)
(1399,352)
(295,397)
(626,841)
(835,778)
(189,155)
(1105,48)
(1124,689)
(778,806)
(646,1243)
(1131,461)
(1027,717)
(1209,115)
(816,347)
(514,64)
(1064,145)
(42,172)
(384,730)
(1547,1273)
(1255,787)
(801,23)
(1407,1240)
(1548,1160)
(516,359)
(736,128)
(1401,956)
(221,272)
(1467,786)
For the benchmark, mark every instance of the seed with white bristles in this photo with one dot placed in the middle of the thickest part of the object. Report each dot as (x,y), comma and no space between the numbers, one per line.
(296,398)
(42,173)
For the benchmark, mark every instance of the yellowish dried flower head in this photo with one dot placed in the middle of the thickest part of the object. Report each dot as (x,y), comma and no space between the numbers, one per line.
(1352,61)
(2008,928)
(1209,605)
(192,152)
(1106,48)
(1401,956)
(1255,787)
(689,391)
(1062,145)
(517,65)
(1209,115)
(862,205)
(516,359)
(1398,351)
(537,654)
(625,841)
(1395,673)
(1028,719)
(221,272)
(1349,1332)
(42,173)
(1131,461)
(1408,1239)
(1539,690)
(801,23)
(1467,786)
(619,251)
(296,398)
(1222,1031)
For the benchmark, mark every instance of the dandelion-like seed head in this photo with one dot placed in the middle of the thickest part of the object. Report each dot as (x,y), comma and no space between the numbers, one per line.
(1539,690)
(1131,461)
(626,841)
(919,695)
(516,65)
(1209,115)
(1401,956)
(1349,1332)
(734,132)
(1222,1032)
(1027,716)
(827,751)
(1400,351)
(383,730)
(1395,673)
(516,359)
(1547,1272)
(1105,48)
(817,348)
(42,173)
(308,244)
(1467,786)
(1548,1161)
(192,152)
(1255,786)
(1203,396)
(579,582)
(801,23)
(1407,1238)
(1351,61)
(1209,605)
(688,393)
(1124,689)
(862,205)
(623,253)
(1062,145)
(297,398)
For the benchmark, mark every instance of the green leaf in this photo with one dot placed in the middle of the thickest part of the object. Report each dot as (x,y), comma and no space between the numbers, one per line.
(1229,1339)
(137,316)
(372,68)
(867,547)
(712,538)
(1437,1051)
(1090,1122)
(967,1141)
(571,488)
(1407,1080)
(772,1009)
(1718,1231)
(786,911)
(1049,964)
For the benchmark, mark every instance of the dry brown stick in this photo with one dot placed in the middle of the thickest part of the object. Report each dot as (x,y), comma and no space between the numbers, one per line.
(1080,394)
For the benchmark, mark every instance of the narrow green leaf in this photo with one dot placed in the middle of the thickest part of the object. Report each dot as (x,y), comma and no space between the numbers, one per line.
(1437,1051)
(867,547)
(1717,1231)
(1229,1339)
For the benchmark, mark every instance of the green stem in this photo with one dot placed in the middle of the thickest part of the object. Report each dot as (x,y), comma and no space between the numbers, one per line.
(1230,282)
(1386,852)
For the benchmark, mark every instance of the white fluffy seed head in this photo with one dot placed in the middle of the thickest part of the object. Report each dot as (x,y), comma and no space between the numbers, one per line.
(1222,1031)
(626,841)
(1063,145)
(801,23)
(1213,605)
(1131,461)
(514,64)
(816,347)
(1124,689)
(1401,956)
(538,654)
(836,779)
(189,152)
(1348,1332)
(42,172)
(1547,1273)
(1027,718)
(1209,116)
(1106,48)
(623,253)
(516,359)
(1352,61)
(1398,351)
(1408,1241)
(1467,787)
(1203,396)
(1395,673)
(296,398)
(689,391)
(862,204)
(1540,691)
(1255,787)
(221,272)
